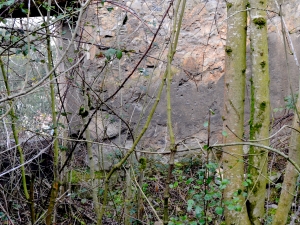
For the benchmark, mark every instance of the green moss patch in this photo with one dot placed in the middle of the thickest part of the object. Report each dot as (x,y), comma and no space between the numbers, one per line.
(260,22)
(228,50)
(262,106)
(77,176)
(263,64)
(229,5)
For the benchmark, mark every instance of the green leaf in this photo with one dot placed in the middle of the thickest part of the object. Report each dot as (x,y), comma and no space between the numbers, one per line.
(109,9)
(25,11)
(222,187)
(197,197)
(190,204)
(245,194)
(202,221)
(238,208)
(110,53)
(10,2)
(219,210)
(198,211)
(101,191)
(14,39)
(230,207)
(224,133)
(60,16)
(190,180)
(65,113)
(245,183)
(207,197)
(119,54)
(225,181)
(205,124)
(63,148)
(2,20)
(175,184)
(236,199)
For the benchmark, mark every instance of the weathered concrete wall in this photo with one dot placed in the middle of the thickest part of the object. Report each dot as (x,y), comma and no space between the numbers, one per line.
(198,67)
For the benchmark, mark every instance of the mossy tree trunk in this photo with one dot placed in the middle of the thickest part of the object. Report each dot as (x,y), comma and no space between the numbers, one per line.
(56,182)
(235,62)
(259,110)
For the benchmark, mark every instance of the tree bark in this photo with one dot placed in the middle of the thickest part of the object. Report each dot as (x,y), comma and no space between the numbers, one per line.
(259,110)
(235,63)
(290,178)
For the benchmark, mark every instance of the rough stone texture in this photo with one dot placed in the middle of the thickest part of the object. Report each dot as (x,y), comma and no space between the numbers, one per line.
(198,67)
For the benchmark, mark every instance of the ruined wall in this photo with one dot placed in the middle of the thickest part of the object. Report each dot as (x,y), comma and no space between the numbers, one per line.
(198,68)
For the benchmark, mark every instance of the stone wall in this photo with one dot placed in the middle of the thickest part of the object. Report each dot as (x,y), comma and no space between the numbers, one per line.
(198,68)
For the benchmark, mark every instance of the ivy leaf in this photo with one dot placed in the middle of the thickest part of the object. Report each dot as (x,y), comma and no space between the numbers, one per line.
(238,208)
(10,2)
(110,53)
(219,210)
(207,197)
(198,211)
(231,207)
(190,204)
(245,183)
(14,39)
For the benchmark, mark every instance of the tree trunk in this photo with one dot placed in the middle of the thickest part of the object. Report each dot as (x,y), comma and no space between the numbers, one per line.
(259,111)
(290,178)
(235,62)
